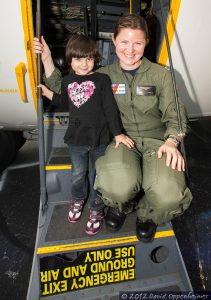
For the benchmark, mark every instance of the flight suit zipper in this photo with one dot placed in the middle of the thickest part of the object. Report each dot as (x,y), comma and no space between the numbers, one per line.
(130,84)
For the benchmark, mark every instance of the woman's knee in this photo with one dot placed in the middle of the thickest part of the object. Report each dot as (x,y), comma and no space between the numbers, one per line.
(162,205)
(170,196)
(118,174)
(117,185)
(120,184)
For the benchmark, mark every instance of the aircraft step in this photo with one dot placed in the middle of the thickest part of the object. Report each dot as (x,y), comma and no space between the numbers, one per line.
(68,264)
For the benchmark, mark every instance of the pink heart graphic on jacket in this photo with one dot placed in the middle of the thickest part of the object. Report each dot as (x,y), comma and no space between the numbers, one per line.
(80,93)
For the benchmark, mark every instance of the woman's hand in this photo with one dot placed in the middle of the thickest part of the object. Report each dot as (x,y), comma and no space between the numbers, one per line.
(122,138)
(173,156)
(46,92)
(40,47)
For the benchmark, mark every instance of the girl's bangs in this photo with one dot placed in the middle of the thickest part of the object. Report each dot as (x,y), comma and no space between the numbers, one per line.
(82,53)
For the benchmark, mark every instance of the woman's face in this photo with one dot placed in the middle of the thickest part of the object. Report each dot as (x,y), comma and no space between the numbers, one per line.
(130,44)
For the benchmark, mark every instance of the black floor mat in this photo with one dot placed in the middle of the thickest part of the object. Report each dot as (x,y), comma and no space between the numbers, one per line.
(60,229)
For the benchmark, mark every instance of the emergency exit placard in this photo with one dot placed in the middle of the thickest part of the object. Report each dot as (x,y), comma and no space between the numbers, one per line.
(89,269)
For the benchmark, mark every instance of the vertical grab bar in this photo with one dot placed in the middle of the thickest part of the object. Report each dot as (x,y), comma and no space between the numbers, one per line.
(175,89)
(43,191)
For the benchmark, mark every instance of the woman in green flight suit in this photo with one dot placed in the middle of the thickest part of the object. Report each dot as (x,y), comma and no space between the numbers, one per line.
(145,97)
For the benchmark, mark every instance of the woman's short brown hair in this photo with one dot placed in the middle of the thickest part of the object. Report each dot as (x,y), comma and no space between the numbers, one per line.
(79,46)
(133,22)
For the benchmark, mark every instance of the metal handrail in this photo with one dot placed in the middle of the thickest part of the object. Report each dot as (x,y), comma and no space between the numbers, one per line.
(43,190)
(183,151)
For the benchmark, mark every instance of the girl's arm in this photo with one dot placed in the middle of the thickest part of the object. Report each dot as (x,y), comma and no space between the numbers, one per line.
(40,47)
(46,92)
(52,75)
(59,100)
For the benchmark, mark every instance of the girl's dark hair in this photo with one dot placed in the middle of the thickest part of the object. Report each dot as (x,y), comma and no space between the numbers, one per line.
(79,46)
(133,22)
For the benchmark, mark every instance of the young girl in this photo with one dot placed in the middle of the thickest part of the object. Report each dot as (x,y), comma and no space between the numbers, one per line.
(93,118)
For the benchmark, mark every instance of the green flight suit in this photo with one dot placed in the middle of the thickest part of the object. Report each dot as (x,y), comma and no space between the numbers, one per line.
(147,107)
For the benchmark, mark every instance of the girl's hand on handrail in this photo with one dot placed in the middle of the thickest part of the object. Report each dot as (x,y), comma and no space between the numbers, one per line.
(40,47)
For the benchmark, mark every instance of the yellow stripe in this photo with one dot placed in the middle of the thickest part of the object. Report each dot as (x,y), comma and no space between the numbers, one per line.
(28,39)
(51,121)
(161,234)
(58,167)
(131,7)
(98,243)
(171,25)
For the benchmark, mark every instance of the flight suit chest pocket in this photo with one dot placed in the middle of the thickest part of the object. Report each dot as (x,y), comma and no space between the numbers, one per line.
(145,90)
(146,98)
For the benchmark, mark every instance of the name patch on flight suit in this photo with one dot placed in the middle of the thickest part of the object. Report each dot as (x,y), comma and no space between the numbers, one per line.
(119,88)
(145,90)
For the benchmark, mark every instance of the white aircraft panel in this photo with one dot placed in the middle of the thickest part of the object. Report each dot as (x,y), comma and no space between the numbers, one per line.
(13,112)
(191,50)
